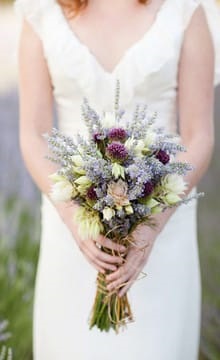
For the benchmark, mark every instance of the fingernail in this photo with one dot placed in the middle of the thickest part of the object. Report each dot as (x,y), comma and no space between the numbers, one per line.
(123,248)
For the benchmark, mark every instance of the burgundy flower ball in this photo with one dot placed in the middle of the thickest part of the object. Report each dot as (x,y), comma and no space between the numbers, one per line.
(91,193)
(117,134)
(117,151)
(148,188)
(97,137)
(163,157)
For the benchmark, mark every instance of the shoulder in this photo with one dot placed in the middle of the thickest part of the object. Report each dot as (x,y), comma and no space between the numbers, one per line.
(33,11)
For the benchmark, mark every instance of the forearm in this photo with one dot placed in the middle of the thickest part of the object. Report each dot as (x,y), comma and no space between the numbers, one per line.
(199,152)
(34,150)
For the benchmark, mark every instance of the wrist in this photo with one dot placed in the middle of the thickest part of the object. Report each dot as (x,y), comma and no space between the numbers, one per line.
(66,211)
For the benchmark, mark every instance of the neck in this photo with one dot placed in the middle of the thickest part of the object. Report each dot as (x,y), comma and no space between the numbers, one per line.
(113,5)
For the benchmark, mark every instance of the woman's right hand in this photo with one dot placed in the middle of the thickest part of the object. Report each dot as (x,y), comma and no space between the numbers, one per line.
(98,258)
(91,247)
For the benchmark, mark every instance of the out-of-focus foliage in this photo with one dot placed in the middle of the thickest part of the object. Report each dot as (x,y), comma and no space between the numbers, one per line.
(18,258)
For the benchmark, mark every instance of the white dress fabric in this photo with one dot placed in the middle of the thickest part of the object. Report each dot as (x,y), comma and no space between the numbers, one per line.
(167,303)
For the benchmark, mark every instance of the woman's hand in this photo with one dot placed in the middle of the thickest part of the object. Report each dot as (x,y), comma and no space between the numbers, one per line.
(136,259)
(91,248)
(97,257)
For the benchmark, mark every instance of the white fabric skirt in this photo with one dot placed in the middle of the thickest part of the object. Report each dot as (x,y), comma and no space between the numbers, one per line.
(166,304)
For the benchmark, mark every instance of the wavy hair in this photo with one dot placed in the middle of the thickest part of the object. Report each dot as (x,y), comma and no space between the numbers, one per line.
(75,6)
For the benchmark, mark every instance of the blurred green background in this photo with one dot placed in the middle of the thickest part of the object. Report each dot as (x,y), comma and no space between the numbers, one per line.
(20,221)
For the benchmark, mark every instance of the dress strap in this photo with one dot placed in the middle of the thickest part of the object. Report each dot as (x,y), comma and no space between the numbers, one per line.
(32,11)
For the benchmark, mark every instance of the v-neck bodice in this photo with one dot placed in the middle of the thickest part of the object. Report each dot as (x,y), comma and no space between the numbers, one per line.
(148,70)
(127,51)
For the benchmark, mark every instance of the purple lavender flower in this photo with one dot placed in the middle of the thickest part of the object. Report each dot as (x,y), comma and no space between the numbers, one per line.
(163,157)
(117,134)
(91,193)
(116,151)
(148,188)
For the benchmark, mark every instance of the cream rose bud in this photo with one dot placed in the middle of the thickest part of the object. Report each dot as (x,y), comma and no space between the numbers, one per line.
(61,191)
(108,213)
(108,120)
(77,159)
(118,170)
(129,210)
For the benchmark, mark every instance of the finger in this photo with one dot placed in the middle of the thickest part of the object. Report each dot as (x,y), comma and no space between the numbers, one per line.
(118,273)
(124,277)
(94,258)
(105,265)
(112,245)
(95,265)
(107,258)
(125,289)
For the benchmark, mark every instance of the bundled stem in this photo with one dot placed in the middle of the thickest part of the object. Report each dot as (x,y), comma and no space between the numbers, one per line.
(109,310)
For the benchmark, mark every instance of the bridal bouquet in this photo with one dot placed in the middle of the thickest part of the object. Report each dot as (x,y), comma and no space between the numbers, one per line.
(122,175)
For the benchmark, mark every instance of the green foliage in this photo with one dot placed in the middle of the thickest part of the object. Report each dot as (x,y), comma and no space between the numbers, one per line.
(18,259)
(5,353)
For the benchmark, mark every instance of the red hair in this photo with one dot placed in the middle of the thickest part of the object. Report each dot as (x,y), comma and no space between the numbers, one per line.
(75,6)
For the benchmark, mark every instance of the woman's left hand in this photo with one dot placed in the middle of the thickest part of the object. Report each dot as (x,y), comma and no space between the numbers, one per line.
(136,259)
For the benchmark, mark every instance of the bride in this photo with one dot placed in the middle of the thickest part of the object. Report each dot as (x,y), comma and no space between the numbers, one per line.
(162,52)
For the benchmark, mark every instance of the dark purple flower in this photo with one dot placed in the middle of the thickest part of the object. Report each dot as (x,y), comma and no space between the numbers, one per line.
(97,137)
(117,134)
(117,151)
(163,157)
(148,188)
(91,193)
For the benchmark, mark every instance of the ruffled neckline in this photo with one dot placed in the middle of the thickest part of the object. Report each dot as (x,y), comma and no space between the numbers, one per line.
(127,53)
(145,57)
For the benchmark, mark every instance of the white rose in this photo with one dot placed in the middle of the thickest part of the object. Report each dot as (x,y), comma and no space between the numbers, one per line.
(62,190)
(174,183)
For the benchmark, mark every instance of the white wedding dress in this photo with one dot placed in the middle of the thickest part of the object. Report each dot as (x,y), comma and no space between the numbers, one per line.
(167,303)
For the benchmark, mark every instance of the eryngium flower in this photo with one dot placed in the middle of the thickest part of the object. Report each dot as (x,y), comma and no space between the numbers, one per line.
(148,188)
(163,157)
(91,193)
(116,151)
(117,134)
